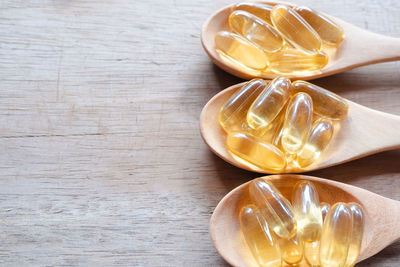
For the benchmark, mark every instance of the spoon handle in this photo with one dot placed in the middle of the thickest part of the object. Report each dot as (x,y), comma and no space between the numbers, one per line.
(362,47)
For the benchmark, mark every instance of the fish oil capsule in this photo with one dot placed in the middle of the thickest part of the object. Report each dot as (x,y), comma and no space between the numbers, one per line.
(254,150)
(356,234)
(292,249)
(260,241)
(292,61)
(305,202)
(311,253)
(335,239)
(295,29)
(320,136)
(326,103)
(256,31)
(238,50)
(297,123)
(263,11)
(327,29)
(272,135)
(275,208)
(233,113)
(325,207)
(311,249)
(269,103)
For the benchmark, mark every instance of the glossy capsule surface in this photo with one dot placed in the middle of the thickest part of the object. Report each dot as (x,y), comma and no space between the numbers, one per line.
(311,253)
(328,30)
(295,29)
(293,61)
(256,151)
(325,207)
(336,233)
(262,11)
(269,103)
(305,202)
(326,103)
(275,207)
(232,115)
(239,51)
(259,239)
(318,140)
(292,249)
(356,234)
(256,31)
(298,121)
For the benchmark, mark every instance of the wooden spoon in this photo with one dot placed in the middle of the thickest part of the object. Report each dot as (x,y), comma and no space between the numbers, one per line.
(364,132)
(381,221)
(359,48)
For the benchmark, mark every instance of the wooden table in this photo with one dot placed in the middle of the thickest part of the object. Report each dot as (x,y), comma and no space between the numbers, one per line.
(101,160)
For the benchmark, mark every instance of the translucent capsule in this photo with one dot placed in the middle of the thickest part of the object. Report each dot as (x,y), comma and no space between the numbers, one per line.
(275,208)
(336,233)
(256,151)
(233,113)
(298,121)
(292,249)
(292,61)
(327,29)
(325,207)
(356,234)
(305,202)
(256,31)
(262,11)
(320,136)
(295,29)
(326,103)
(311,253)
(260,241)
(269,103)
(272,135)
(238,50)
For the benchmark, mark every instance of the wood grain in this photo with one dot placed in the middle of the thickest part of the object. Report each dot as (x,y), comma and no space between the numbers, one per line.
(101,158)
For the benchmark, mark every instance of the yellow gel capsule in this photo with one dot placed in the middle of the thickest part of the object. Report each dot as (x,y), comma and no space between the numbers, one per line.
(320,136)
(272,135)
(269,103)
(275,208)
(256,31)
(292,61)
(311,253)
(238,50)
(291,249)
(298,122)
(254,150)
(262,11)
(305,202)
(311,249)
(335,239)
(326,103)
(260,241)
(356,234)
(295,29)
(327,29)
(325,207)
(233,113)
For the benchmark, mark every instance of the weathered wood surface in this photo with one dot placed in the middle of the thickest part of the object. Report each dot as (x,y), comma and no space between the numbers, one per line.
(101,158)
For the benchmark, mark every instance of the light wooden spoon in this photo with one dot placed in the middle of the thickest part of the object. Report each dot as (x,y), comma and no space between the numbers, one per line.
(359,48)
(382,226)
(364,132)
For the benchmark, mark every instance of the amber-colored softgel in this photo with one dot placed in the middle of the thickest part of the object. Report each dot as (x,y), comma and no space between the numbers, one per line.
(267,130)
(296,40)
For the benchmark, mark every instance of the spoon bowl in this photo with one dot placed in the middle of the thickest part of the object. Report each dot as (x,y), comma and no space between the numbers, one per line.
(364,132)
(381,216)
(359,48)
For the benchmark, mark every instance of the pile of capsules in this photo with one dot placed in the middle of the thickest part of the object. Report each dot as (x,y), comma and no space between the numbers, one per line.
(280,125)
(277,231)
(278,39)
